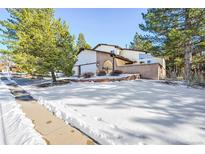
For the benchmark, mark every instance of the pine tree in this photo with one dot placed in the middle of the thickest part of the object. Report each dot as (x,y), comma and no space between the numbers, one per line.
(81,42)
(40,44)
(139,43)
(176,31)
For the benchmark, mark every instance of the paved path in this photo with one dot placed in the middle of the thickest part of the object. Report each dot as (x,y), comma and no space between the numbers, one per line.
(54,130)
(15,128)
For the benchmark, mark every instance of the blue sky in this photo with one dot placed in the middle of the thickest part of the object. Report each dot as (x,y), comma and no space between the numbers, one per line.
(112,26)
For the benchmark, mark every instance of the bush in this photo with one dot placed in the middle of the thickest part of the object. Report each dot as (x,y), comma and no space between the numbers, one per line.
(101,73)
(116,72)
(88,74)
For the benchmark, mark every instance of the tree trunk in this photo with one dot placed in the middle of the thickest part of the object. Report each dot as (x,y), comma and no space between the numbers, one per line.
(187,60)
(187,52)
(53,76)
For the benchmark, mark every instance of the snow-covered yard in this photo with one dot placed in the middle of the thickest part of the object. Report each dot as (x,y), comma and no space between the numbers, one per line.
(15,128)
(129,112)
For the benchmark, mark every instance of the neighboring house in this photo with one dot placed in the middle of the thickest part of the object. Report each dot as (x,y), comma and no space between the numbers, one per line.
(6,64)
(126,60)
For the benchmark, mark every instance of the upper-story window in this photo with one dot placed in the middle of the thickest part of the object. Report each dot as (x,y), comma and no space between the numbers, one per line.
(149,56)
(142,56)
(145,56)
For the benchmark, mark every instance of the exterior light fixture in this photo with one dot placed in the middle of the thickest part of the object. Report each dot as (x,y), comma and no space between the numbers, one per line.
(113,55)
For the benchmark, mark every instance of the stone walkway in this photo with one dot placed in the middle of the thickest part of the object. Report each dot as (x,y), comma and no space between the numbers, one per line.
(54,130)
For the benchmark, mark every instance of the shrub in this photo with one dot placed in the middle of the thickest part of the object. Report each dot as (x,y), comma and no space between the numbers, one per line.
(88,74)
(101,73)
(116,72)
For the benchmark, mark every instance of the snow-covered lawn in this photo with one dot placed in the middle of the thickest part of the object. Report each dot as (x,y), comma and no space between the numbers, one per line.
(129,112)
(98,77)
(15,128)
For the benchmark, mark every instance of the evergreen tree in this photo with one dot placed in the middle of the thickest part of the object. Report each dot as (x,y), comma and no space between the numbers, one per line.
(81,42)
(139,43)
(40,44)
(177,32)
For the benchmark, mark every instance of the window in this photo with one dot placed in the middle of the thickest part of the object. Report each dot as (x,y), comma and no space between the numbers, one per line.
(149,56)
(142,56)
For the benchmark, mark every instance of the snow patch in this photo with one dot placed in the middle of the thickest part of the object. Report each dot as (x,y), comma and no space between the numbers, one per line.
(129,112)
(15,127)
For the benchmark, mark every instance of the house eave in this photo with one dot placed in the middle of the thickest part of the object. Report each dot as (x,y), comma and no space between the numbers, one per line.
(117,56)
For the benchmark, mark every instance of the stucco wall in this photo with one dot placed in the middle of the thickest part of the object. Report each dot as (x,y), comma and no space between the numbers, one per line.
(101,58)
(148,71)
(161,61)
(106,48)
(120,62)
(132,55)
(162,72)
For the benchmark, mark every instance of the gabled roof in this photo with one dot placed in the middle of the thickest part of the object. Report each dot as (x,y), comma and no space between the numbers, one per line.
(116,46)
(117,56)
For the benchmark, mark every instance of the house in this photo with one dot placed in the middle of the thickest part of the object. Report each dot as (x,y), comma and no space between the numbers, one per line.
(126,60)
(7,65)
